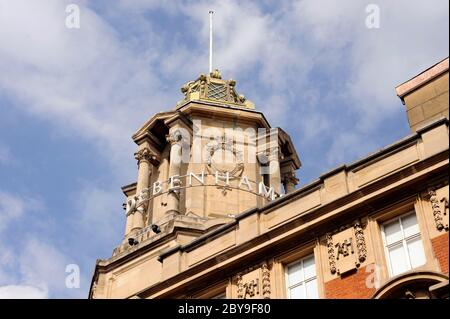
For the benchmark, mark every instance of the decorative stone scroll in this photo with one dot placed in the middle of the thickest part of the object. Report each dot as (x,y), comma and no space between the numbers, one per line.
(346,248)
(437,212)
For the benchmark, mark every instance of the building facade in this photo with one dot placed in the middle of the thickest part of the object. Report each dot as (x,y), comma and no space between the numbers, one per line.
(215,212)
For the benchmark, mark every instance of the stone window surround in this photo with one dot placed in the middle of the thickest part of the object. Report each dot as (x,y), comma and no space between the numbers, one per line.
(398,219)
(282,261)
(303,282)
(375,222)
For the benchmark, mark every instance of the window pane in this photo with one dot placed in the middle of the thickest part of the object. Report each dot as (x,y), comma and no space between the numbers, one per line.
(297,292)
(397,259)
(410,226)
(311,289)
(309,267)
(392,232)
(295,274)
(416,253)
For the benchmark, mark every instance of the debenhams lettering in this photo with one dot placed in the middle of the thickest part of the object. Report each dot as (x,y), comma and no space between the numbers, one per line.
(217,179)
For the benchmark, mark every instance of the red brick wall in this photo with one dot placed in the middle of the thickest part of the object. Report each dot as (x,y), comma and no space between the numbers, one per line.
(352,286)
(440,248)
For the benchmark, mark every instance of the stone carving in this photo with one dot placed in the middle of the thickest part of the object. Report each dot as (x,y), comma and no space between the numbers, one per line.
(194,86)
(360,242)
(331,257)
(437,213)
(290,178)
(224,144)
(265,281)
(343,243)
(146,154)
(445,201)
(174,137)
(213,87)
(240,287)
(251,288)
(216,74)
(345,248)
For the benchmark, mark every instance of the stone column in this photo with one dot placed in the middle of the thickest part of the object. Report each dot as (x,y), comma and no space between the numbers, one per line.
(274,170)
(173,196)
(129,215)
(289,182)
(143,156)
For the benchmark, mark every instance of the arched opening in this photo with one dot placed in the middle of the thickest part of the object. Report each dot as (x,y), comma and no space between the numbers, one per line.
(415,285)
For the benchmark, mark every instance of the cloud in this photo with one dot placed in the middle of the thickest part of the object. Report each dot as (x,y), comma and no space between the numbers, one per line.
(22,292)
(42,265)
(84,81)
(99,213)
(75,77)
(13,207)
(5,155)
(279,56)
(35,265)
(311,66)
(38,270)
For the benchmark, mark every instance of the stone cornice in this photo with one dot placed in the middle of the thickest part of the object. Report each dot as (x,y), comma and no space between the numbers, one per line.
(129,189)
(422,78)
(312,214)
(149,123)
(308,234)
(224,110)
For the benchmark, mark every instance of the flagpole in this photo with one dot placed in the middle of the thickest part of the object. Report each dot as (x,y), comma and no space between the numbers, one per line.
(210,39)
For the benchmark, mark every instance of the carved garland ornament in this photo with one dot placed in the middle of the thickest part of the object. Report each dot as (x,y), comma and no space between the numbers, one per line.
(224,145)
(240,287)
(331,256)
(360,242)
(437,214)
(265,281)
(343,248)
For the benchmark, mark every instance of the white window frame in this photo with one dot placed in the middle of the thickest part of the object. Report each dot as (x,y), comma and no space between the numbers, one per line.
(303,281)
(403,241)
